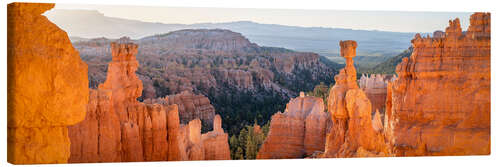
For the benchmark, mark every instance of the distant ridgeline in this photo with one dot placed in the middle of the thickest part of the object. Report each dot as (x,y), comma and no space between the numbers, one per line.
(244,81)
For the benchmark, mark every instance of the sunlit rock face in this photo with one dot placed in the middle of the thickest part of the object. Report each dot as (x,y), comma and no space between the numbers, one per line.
(121,79)
(192,106)
(47,87)
(440,102)
(297,132)
(354,132)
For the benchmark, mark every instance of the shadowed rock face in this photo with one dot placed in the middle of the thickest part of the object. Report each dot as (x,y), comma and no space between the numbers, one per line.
(118,128)
(297,132)
(353,132)
(47,87)
(440,103)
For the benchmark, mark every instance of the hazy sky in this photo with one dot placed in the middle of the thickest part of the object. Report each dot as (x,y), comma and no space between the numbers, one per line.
(365,20)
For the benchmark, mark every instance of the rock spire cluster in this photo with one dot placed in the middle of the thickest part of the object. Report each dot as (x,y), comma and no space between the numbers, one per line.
(439,104)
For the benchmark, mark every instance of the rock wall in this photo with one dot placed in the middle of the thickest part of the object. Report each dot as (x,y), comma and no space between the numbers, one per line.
(118,128)
(353,132)
(441,99)
(297,132)
(47,87)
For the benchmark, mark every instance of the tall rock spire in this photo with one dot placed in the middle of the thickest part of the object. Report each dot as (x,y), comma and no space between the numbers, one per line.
(352,133)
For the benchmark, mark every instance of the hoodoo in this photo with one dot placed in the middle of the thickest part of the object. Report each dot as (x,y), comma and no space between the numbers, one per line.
(47,87)
(375,88)
(298,132)
(440,102)
(352,133)
(193,106)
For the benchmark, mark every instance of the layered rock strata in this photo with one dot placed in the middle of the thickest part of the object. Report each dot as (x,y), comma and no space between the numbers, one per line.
(118,128)
(297,132)
(353,132)
(440,103)
(47,87)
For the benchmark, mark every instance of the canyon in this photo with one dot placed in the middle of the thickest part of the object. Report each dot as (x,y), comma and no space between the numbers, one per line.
(165,97)
(354,132)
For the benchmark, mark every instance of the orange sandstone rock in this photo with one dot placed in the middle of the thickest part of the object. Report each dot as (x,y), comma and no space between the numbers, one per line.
(121,79)
(173,125)
(297,132)
(135,131)
(47,87)
(441,99)
(215,142)
(132,131)
(131,143)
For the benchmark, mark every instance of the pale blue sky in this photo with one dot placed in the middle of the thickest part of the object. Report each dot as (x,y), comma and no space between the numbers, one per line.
(364,20)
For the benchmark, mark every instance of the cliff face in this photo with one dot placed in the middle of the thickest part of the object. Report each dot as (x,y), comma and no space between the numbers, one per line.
(297,132)
(440,103)
(47,87)
(118,128)
(353,132)
(201,59)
